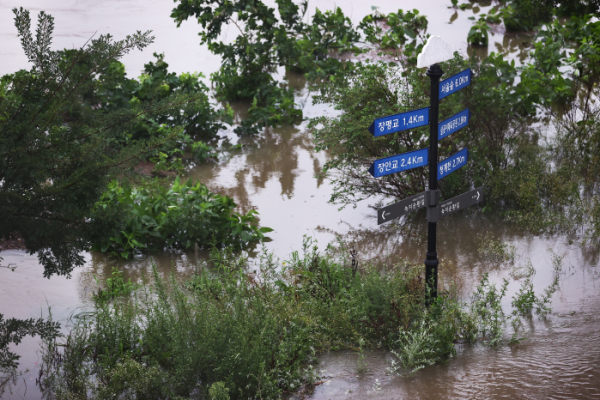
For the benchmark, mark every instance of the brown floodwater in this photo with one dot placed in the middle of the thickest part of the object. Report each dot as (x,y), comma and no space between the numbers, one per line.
(274,173)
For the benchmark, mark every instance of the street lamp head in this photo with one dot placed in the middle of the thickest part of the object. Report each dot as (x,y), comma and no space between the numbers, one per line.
(435,51)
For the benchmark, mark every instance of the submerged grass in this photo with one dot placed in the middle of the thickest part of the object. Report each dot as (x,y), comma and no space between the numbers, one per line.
(229,334)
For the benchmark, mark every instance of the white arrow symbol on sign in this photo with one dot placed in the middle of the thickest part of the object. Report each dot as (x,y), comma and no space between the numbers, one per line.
(383,215)
(478,195)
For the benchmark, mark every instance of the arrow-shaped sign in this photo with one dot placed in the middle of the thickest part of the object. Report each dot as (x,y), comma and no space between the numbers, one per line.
(452,163)
(400,122)
(400,208)
(461,202)
(399,162)
(455,83)
(453,124)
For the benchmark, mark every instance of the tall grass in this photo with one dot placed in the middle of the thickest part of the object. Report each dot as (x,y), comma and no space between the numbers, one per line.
(232,333)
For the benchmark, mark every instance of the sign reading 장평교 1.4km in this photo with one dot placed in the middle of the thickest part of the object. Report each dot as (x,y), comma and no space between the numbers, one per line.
(455,83)
(399,162)
(400,122)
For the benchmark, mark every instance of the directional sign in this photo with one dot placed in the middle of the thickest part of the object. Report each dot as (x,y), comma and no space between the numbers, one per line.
(453,124)
(400,122)
(461,202)
(455,83)
(400,208)
(452,163)
(400,162)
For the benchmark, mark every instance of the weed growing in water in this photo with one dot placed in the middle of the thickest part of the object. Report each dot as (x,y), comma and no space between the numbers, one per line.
(239,336)
(361,364)
(495,250)
(228,333)
(115,286)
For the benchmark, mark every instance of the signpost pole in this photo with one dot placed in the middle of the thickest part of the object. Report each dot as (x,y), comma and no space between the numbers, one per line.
(431,261)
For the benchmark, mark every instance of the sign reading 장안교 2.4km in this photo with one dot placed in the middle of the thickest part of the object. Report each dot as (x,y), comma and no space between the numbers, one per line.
(399,162)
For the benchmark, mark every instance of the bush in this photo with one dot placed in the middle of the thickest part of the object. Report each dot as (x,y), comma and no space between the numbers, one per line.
(526,15)
(241,334)
(231,333)
(154,218)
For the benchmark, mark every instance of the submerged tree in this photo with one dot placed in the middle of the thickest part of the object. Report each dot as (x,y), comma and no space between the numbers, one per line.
(72,123)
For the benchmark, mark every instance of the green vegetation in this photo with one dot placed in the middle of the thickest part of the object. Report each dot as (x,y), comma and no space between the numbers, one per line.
(239,334)
(264,43)
(72,128)
(400,27)
(153,218)
(546,185)
(12,332)
(115,286)
(74,123)
(478,34)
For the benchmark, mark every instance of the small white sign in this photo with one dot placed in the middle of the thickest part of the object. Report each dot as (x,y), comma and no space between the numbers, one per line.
(435,51)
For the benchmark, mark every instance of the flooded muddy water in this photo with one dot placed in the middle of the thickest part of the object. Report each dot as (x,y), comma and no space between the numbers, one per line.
(274,173)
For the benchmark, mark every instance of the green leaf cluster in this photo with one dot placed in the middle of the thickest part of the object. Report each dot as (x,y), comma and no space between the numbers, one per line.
(400,26)
(267,41)
(479,33)
(74,122)
(154,218)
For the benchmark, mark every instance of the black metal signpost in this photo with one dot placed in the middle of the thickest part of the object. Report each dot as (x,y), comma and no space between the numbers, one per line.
(418,158)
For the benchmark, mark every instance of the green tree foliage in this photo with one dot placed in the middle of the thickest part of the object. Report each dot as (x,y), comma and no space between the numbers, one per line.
(154,218)
(402,26)
(56,149)
(265,42)
(73,122)
(385,89)
(562,81)
(527,15)
(479,33)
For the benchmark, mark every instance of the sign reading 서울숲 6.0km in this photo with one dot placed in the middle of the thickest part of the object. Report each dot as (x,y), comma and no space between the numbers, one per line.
(399,162)
(400,122)
(455,83)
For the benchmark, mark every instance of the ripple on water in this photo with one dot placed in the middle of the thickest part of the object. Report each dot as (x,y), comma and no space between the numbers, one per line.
(554,363)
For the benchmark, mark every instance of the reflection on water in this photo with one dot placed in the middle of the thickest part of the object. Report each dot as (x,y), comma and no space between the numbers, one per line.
(274,173)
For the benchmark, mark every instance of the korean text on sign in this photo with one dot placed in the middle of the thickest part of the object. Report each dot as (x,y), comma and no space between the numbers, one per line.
(415,205)
(453,124)
(400,162)
(400,122)
(455,83)
(452,163)
(448,208)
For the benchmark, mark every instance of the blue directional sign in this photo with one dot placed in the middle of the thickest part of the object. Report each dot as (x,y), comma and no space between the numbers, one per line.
(399,162)
(400,122)
(455,83)
(453,124)
(452,163)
